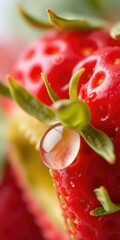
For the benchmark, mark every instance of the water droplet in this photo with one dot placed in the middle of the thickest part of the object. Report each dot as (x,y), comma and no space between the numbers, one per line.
(104,118)
(59,147)
(72,184)
(116,129)
(92,96)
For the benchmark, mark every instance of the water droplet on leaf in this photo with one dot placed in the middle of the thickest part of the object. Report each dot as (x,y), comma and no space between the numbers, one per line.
(59,147)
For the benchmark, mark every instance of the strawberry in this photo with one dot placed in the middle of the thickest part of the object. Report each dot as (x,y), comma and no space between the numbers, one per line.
(99,87)
(16,221)
(38,221)
(87,186)
(79,182)
(56,54)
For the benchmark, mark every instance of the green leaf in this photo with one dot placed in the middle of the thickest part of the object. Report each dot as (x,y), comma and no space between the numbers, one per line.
(99,142)
(73,113)
(31,105)
(32,21)
(50,91)
(115,31)
(73,85)
(4,91)
(108,206)
(98,6)
(82,23)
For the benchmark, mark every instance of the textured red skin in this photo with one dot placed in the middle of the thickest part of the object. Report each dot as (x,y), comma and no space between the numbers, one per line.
(79,196)
(89,171)
(16,222)
(56,54)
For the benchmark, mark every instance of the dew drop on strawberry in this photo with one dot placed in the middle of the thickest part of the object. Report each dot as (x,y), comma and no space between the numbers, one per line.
(59,147)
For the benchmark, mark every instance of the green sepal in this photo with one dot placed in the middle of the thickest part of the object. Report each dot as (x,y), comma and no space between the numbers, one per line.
(99,142)
(98,7)
(4,91)
(30,104)
(81,23)
(72,113)
(108,206)
(115,31)
(50,91)
(33,21)
(73,85)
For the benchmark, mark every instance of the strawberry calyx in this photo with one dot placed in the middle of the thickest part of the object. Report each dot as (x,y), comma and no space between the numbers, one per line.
(108,206)
(5,91)
(71,113)
(32,105)
(67,113)
(73,22)
(78,23)
(50,91)
(73,85)
(55,21)
(33,21)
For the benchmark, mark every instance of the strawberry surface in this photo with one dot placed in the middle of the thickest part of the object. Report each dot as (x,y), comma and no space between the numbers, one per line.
(56,54)
(99,86)
(16,221)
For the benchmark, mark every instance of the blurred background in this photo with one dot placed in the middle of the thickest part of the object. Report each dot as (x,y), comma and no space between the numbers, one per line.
(26,189)
(13,25)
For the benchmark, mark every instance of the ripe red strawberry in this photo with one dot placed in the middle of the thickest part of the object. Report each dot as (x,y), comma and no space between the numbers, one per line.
(88,176)
(56,54)
(16,222)
(99,86)
(76,183)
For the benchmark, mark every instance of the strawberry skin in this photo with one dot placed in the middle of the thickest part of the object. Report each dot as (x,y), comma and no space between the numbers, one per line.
(99,86)
(16,222)
(56,54)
